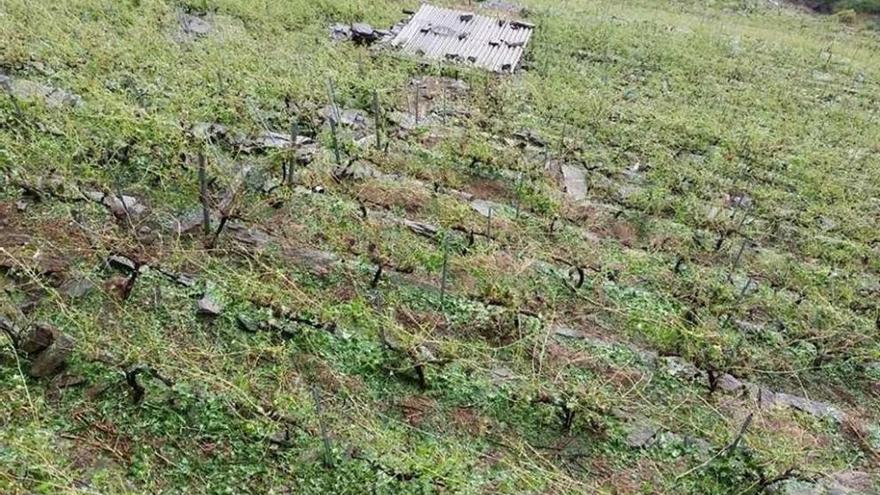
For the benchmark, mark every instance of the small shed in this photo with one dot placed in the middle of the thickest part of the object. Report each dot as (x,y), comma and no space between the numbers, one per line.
(489,43)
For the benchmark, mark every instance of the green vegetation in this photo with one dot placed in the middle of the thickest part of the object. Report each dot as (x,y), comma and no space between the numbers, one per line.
(866,6)
(729,230)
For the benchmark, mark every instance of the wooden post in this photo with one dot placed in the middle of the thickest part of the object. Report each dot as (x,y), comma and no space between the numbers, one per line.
(328,449)
(443,275)
(489,225)
(377,115)
(445,104)
(562,139)
(335,142)
(294,132)
(334,118)
(203,196)
(736,261)
(418,94)
(121,199)
(331,93)
(742,293)
(518,194)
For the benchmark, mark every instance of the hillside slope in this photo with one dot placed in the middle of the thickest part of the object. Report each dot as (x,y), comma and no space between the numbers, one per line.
(646,263)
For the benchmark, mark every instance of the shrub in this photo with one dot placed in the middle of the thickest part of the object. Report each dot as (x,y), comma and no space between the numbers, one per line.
(847,16)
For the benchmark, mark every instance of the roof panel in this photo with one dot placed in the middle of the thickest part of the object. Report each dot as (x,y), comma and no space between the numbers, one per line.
(443,34)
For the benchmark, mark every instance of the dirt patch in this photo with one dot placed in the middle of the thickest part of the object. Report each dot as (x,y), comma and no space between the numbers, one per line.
(625,232)
(43,248)
(859,433)
(493,189)
(328,378)
(466,420)
(387,195)
(586,213)
(667,243)
(416,409)
(498,328)
(486,277)
(420,320)
(435,93)
(630,480)
(98,446)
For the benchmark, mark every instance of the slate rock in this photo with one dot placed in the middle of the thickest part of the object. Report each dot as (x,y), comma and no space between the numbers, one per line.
(189,221)
(815,408)
(193,25)
(208,306)
(30,90)
(729,383)
(363,33)
(122,263)
(641,435)
(358,170)
(349,117)
(529,136)
(272,140)
(353,118)
(575,182)
(422,229)
(281,439)
(38,338)
(247,324)
(92,195)
(53,359)
(501,375)
(568,332)
(483,207)
(406,121)
(124,206)
(306,154)
(77,287)
(680,368)
(271,184)
(763,395)
(314,260)
(340,32)
(185,280)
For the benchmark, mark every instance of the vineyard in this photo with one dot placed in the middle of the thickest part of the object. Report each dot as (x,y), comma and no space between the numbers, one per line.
(252,247)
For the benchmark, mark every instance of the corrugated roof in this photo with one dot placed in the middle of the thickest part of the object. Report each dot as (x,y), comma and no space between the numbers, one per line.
(443,34)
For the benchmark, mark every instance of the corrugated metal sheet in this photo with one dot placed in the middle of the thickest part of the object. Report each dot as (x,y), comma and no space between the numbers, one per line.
(443,34)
